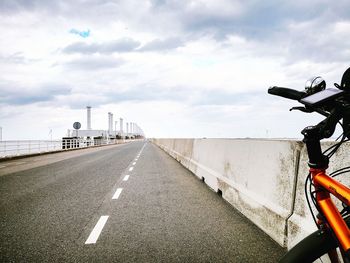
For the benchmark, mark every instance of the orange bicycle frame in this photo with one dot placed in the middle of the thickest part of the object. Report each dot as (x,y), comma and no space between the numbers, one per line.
(324,186)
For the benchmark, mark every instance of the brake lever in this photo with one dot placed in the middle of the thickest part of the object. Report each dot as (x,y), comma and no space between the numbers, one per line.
(303,109)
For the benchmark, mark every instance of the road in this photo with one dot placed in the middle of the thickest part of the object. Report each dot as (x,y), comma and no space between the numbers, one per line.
(128,203)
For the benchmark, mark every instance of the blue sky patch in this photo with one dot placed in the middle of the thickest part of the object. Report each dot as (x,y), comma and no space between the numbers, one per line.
(83,34)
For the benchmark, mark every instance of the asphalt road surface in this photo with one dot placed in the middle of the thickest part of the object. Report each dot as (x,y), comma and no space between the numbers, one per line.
(126,203)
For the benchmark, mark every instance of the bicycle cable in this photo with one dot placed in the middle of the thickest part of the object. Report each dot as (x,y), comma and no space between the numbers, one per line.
(308,181)
(340,171)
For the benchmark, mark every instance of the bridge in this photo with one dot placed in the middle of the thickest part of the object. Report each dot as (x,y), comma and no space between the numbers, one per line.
(127,202)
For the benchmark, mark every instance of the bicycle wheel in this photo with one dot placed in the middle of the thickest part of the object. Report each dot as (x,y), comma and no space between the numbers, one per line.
(311,248)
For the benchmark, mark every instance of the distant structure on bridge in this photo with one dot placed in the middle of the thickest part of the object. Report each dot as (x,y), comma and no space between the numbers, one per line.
(133,131)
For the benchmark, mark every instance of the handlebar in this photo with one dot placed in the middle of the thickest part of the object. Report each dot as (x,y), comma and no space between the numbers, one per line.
(287,93)
(332,108)
(334,104)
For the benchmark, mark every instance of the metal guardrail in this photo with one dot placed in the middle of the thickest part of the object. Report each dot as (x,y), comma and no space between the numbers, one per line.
(16,148)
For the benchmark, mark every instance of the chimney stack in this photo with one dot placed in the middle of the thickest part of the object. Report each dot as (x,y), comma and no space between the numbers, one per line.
(110,123)
(88,117)
(121,127)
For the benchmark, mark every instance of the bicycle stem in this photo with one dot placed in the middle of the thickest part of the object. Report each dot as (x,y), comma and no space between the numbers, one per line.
(312,140)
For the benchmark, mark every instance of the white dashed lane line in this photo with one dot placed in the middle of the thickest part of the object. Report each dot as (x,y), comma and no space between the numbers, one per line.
(95,233)
(117,193)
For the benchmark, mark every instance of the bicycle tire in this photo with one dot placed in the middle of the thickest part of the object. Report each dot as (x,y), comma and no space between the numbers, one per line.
(311,248)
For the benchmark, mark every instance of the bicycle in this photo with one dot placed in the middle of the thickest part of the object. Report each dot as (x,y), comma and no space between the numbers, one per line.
(333,223)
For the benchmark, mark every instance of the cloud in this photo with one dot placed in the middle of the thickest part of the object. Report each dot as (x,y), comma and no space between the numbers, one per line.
(15,58)
(123,45)
(17,94)
(79,100)
(322,46)
(251,19)
(297,30)
(61,95)
(82,48)
(90,63)
(18,5)
(83,34)
(212,59)
(120,45)
(162,44)
(179,94)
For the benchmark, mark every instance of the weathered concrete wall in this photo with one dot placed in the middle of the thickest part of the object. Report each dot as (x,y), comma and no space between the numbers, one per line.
(263,179)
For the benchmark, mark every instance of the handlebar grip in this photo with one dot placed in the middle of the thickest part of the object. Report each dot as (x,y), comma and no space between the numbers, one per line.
(286,93)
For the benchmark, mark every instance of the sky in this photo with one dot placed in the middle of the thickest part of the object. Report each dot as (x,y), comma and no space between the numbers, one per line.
(177,68)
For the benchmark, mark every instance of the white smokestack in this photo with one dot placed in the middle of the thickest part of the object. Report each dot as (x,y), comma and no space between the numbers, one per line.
(121,126)
(88,117)
(110,123)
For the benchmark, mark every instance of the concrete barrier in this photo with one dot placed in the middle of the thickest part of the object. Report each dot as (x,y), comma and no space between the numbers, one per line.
(263,179)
